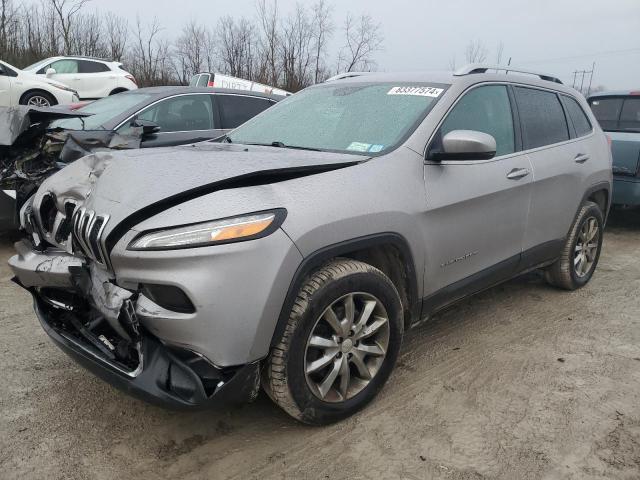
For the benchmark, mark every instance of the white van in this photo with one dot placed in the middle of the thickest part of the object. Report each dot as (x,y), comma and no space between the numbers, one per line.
(218,80)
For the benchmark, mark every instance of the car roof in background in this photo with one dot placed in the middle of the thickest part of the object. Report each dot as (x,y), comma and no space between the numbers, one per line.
(160,92)
(616,93)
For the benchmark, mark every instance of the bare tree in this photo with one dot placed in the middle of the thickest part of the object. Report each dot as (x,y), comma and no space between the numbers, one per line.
(499,52)
(270,70)
(296,50)
(322,32)
(475,52)
(190,51)
(117,32)
(363,38)
(65,11)
(150,55)
(236,41)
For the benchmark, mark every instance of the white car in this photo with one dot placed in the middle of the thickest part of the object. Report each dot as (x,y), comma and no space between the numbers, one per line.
(18,87)
(92,78)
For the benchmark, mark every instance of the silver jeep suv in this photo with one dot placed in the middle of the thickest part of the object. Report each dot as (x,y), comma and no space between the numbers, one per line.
(295,252)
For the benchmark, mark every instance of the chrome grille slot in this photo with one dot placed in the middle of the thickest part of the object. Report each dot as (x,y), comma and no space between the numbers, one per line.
(87,234)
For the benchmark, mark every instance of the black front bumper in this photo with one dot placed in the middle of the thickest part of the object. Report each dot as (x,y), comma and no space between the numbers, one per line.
(163,378)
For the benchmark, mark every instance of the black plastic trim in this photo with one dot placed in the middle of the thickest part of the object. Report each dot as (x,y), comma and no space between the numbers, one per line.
(501,272)
(159,369)
(321,256)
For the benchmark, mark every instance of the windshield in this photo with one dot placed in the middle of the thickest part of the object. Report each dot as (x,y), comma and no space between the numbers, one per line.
(102,111)
(353,118)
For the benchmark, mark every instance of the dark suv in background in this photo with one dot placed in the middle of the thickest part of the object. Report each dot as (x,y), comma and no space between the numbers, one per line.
(619,115)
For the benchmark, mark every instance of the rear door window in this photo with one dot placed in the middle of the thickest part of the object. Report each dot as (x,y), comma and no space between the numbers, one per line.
(578,117)
(542,117)
(630,115)
(237,109)
(87,66)
(607,111)
(484,109)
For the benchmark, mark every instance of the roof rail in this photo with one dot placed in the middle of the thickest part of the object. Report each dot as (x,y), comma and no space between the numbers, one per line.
(482,68)
(344,75)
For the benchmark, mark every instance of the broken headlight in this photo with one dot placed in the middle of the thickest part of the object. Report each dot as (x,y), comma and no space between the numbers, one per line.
(228,230)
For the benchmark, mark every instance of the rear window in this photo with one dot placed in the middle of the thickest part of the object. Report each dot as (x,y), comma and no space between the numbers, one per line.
(542,117)
(237,109)
(607,111)
(578,117)
(630,115)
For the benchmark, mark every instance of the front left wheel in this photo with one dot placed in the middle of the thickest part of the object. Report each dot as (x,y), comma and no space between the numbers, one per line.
(340,343)
(38,99)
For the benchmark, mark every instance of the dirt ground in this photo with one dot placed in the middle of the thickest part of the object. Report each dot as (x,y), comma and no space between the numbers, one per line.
(520,382)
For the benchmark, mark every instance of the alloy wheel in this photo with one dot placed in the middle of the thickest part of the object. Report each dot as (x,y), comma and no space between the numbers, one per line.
(38,101)
(586,247)
(346,347)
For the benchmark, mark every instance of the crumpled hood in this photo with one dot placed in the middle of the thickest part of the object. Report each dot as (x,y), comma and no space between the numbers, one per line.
(148,181)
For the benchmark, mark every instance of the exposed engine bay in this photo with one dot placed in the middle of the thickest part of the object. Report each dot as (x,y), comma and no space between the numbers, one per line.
(30,150)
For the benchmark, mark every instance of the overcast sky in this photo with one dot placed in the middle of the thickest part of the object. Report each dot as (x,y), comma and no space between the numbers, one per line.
(557,36)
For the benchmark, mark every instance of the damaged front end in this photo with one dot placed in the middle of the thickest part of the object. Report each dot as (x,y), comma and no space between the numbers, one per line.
(31,151)
(97,323)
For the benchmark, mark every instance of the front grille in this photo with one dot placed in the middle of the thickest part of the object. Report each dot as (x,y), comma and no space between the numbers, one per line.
(87,234)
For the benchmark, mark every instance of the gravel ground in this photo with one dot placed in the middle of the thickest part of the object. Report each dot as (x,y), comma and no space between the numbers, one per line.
(519,382)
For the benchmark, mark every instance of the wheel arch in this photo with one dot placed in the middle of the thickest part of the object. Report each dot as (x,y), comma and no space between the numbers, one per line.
(118,90)
(389,252)
(599,194)
(38,90)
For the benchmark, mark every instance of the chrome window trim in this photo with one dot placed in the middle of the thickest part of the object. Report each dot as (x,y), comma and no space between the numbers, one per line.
(213,94)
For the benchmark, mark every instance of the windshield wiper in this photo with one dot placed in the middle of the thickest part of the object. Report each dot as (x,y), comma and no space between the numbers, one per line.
(282,145)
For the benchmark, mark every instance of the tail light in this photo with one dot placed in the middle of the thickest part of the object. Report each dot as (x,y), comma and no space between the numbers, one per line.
(609,141)
(210,84)
(132,78)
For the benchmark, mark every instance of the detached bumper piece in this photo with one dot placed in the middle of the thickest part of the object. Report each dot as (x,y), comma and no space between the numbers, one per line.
(141,366)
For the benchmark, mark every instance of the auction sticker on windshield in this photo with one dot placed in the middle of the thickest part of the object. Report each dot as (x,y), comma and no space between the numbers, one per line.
(416,91)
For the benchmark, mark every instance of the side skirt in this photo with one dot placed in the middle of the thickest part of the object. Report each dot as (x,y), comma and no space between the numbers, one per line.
(536,257)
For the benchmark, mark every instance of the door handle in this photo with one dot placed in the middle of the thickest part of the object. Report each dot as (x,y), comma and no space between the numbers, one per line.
(518,173)
(581,158)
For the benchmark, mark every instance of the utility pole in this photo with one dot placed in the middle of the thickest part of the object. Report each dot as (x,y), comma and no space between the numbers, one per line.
(583,74)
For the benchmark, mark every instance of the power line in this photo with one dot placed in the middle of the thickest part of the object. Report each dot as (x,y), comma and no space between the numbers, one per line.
(586,55)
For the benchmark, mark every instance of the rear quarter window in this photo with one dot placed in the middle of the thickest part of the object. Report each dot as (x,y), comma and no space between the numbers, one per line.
(86,66)
(237,109)
(542,117)
(579,119)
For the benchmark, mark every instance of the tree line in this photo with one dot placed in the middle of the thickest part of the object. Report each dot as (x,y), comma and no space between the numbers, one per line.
(290,50)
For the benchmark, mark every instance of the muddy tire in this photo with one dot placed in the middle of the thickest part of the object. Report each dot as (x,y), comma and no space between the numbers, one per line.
(339,346)
(581,250)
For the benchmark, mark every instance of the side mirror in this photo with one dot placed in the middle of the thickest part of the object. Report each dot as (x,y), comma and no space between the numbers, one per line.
(50,71)
(466,145)
(148,127)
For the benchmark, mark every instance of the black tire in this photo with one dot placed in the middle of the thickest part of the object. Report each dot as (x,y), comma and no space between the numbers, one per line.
(117,91)
(27,97)
(284,378)
(564,273)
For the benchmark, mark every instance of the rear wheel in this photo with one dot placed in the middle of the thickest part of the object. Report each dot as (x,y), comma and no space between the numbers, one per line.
(38,99)
(339,345)
(581,251)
